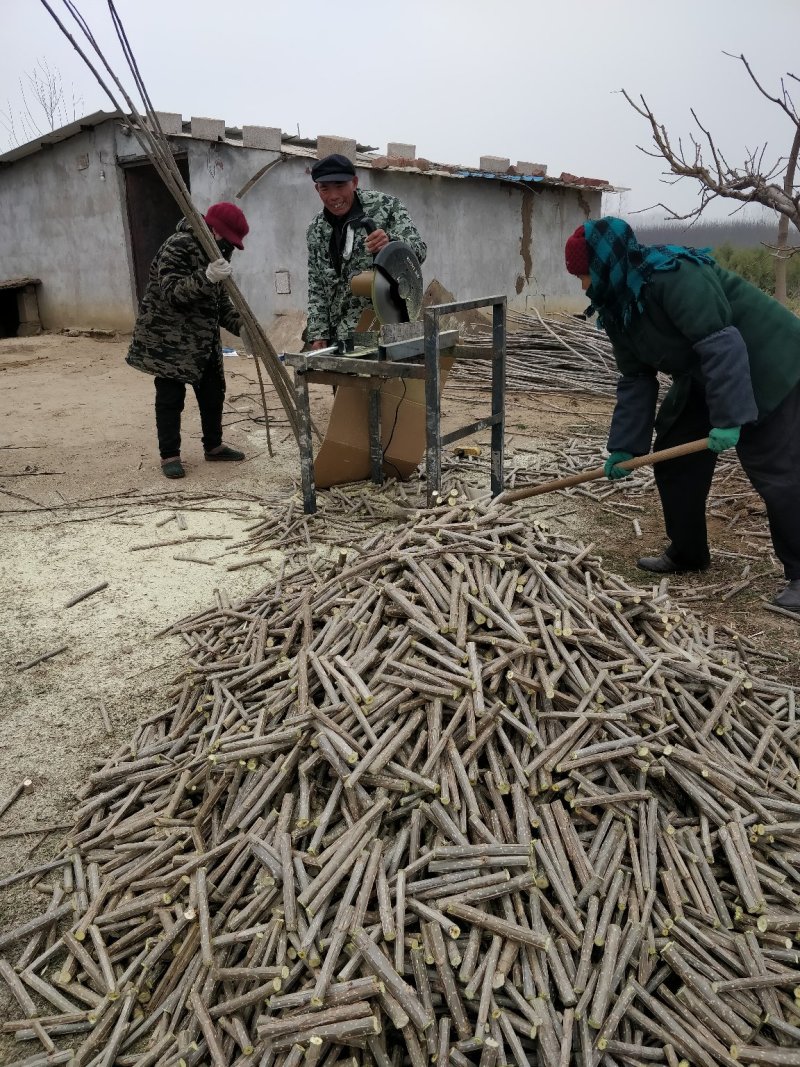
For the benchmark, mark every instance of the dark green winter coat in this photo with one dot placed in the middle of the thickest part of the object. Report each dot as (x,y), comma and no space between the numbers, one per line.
(177,328)
(702,323)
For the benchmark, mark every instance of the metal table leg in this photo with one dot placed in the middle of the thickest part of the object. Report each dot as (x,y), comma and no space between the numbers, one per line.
(498,394)
(375,450)
(433,428)
(305,442)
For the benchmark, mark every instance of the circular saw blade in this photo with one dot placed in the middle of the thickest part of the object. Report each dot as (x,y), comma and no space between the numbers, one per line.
(397,284)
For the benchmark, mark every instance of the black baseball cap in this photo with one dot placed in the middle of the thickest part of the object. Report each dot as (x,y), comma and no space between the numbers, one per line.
(334,168)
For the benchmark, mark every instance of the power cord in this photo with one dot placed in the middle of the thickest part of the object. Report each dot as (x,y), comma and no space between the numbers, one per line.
(391,434)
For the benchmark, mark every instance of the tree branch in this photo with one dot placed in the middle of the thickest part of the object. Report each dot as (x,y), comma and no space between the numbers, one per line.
(704,162)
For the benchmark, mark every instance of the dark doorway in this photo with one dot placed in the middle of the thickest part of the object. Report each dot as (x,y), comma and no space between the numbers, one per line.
(152,215)
(9,313)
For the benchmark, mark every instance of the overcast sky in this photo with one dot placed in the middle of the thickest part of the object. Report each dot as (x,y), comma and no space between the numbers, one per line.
(527,79)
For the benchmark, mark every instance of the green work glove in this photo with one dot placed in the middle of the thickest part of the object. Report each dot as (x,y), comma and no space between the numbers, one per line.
(721,440)
(610,468)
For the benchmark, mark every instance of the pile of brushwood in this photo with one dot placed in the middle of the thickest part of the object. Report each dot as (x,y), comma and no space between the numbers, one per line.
(544,353)
(463,797)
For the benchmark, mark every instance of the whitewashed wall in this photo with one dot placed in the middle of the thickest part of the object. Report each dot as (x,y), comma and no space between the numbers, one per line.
(63,219)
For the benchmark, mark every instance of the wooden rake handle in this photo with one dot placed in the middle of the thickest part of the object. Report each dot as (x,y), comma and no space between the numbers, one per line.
(599,472)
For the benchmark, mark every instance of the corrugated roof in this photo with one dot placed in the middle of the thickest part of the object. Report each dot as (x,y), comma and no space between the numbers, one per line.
(63,133)
(305,148)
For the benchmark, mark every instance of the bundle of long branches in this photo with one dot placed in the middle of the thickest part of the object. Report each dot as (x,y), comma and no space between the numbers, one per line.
(146,127)
(548,353)
(468,799)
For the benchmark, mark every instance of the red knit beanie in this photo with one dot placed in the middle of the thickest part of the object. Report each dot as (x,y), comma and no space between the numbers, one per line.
(576,253)
(229,222)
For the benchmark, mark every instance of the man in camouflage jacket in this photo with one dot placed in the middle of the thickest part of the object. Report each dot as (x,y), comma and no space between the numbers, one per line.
(176,336)
(338,247)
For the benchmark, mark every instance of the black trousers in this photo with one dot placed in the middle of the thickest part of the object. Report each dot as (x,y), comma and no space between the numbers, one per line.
(770,456)
(170,398)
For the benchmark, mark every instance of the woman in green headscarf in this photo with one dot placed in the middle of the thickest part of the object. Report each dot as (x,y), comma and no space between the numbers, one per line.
(733,354)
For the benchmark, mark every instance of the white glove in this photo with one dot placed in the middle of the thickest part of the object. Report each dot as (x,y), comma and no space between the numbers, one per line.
(218,270)
(246,339)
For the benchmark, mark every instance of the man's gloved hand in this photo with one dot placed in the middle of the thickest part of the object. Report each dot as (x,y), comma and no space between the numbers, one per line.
(610,468)
(719,440)
(218,270)
(246,339)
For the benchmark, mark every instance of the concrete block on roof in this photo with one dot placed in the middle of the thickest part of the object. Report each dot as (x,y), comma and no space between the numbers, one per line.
(208,129)
(266,137)
(535,170)
(327,145)
(496,164)
(401,151)
(170,122)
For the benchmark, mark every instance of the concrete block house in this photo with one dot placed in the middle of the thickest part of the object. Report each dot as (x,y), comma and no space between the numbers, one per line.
(82,211)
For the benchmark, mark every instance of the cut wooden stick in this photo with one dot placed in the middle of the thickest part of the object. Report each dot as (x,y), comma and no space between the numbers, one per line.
(41,659)
(24,786)
(85,594)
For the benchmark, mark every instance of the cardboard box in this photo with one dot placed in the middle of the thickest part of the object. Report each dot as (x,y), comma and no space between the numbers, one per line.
(343,455)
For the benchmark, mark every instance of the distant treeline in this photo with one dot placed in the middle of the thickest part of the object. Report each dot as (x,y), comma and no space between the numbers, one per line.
(739,246)
(742,233)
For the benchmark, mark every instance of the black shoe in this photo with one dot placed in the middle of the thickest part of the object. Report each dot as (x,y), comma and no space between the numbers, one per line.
(789,598)
(664,564)
(173,469)
(225,454)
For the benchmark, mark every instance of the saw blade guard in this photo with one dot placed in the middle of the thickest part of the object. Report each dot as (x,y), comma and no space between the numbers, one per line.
(397,286)
(394,285)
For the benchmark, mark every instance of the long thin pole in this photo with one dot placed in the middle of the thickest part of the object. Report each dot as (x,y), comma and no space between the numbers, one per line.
(155,145)
(598,472)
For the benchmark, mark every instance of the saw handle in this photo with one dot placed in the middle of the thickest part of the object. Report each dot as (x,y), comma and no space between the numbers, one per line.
(369,226)
(599,472)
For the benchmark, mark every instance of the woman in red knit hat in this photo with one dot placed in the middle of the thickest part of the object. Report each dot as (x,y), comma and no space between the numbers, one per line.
(733,354)
(176,336)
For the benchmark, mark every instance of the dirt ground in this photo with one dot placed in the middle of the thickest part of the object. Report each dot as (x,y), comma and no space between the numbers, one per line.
(81,492)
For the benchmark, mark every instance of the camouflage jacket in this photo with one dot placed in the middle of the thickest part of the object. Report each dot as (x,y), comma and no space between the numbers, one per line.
(177,328)
(333,311)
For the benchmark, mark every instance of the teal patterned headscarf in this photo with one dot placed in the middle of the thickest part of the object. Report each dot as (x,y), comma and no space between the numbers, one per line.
(620,268)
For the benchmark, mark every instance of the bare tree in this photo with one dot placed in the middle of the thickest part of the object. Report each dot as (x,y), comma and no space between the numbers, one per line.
(44,105)
(753,182)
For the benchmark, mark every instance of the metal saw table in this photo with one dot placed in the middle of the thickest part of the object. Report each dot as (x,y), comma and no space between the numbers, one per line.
(414,357)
